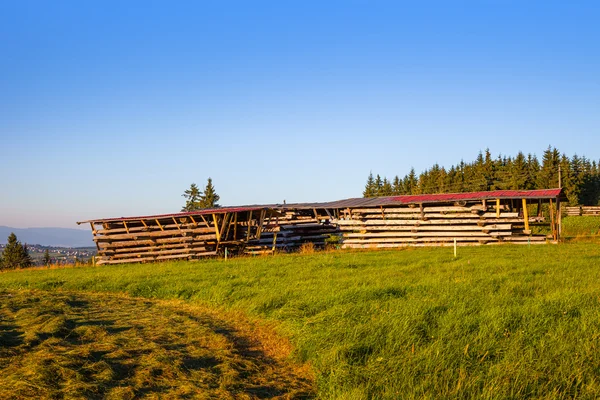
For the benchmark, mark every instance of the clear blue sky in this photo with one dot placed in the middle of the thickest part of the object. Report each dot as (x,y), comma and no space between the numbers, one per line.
(112,108)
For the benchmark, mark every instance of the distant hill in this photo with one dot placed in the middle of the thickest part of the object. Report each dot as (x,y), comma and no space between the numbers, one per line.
(59,237)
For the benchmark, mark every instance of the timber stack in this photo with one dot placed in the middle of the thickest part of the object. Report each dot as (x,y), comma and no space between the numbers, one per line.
(436,224)
(477,218)
(290,231)
(190,236)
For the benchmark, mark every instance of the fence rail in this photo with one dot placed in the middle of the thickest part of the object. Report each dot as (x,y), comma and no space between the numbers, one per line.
(583,211)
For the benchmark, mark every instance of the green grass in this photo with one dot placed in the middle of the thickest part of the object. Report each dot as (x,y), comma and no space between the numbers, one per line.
(80,345)
(497,322)
(582,226)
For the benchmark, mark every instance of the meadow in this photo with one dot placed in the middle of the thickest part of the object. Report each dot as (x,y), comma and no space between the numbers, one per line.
(497,322)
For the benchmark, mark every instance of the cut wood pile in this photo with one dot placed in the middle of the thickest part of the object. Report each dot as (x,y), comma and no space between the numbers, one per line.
(182,236)
(583,211)
(153,240)
(430,225)
(290,231)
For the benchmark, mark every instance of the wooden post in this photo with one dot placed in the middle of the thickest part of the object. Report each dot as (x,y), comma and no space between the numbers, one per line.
(497,208)
(559,217)
(454,247)
(94,234)
(552,222)
(235,223)
(216,227)
(249,226)
(526,216)
(274,242)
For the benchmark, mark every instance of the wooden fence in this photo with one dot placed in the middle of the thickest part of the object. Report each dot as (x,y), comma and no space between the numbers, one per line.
(583,211)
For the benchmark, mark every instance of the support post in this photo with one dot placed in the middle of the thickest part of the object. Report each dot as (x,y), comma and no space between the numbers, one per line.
(526,217)
(559,217)
(454,247)
(497,208)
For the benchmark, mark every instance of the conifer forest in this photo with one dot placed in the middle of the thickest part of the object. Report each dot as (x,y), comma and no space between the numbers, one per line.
(579,177)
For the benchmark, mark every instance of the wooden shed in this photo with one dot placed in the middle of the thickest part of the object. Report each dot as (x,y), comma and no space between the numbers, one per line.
(501,216)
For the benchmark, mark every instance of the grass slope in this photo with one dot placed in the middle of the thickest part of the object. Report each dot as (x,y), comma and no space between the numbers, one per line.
(497,322)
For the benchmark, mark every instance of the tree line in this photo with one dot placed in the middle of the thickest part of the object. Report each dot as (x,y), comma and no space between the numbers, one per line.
(580,177)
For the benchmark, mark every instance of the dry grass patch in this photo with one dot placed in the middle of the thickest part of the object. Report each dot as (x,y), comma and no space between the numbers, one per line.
(84,345)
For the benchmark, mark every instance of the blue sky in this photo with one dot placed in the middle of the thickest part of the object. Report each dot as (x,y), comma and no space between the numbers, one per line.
(114,108)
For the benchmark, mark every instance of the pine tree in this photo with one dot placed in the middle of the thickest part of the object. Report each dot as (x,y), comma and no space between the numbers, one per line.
(46,259)
(517,173)
(548,175)
(193,198)
(15,255)
(386,188)
(26,260)
(378,185)
(412,184)
(209,198)
(370,186)
(397,186)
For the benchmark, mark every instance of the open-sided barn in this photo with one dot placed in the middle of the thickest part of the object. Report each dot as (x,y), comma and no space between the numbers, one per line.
(501,216)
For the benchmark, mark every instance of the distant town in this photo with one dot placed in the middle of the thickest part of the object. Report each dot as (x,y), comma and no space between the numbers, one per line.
(59,255)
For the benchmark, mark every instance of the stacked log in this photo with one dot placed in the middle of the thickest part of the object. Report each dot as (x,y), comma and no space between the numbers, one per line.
(583,211)
(573,211)
(400,226)
(291,231)
(590,210)
(153,240)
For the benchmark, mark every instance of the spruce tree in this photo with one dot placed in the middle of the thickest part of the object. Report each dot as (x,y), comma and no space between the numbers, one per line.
(209,198)
(14,254)
(386,188)
(26,260)
(370,186)
(193,198)
(46,259)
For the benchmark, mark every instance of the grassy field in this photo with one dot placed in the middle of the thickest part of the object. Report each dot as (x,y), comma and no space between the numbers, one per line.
(581,227)
(496,322)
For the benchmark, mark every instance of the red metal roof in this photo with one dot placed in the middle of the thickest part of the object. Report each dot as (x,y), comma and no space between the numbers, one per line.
(429,198)
(365,202)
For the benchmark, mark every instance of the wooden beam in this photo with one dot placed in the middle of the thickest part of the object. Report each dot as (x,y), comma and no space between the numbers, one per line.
(526,216)
(559,218)
(249,226)
(260,223)
(235,224)
(205,221)
(552,223)
(216,227)
(176,224)
(159,225)
(193,220)
(497,208)
(125,225)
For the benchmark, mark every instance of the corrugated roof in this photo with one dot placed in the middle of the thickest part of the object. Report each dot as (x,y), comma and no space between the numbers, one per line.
(430,198)
(364,202)
(220,210)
